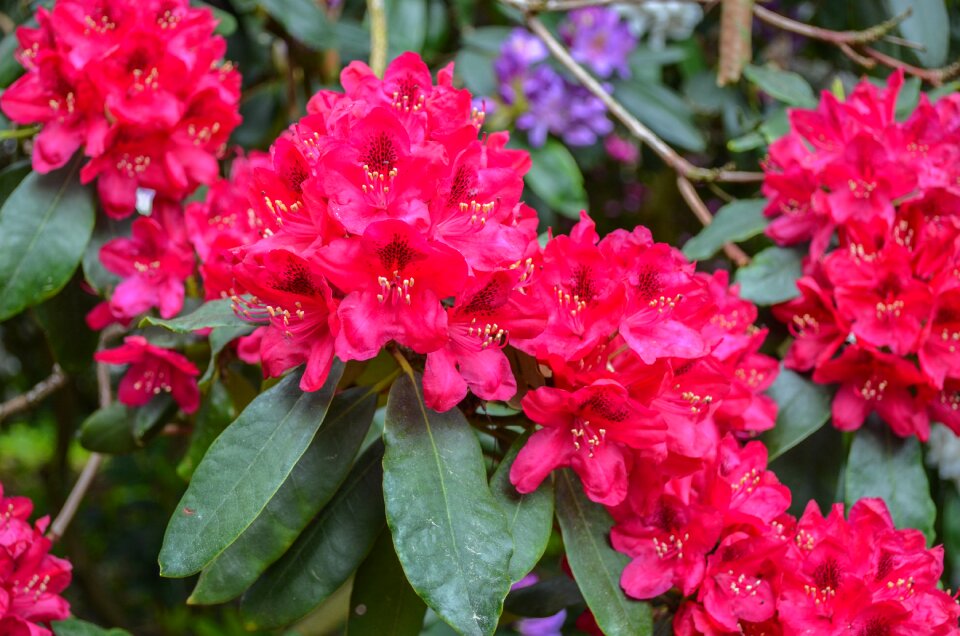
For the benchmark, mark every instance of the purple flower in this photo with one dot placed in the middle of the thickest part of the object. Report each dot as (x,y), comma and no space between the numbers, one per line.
(548,626)
(519,52)
(558,106)
(598,38)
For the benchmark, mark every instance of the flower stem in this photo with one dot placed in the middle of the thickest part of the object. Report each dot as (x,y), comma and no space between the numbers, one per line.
(378,36)
(19,133)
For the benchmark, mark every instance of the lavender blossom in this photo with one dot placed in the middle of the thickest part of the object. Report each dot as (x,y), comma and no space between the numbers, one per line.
(558,106)
(599,38)
(518,54)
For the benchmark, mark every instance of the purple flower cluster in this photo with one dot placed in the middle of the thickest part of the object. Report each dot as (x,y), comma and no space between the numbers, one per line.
(547,101)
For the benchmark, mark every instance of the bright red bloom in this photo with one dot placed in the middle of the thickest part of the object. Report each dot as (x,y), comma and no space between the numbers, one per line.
(153,370)
(137,85)
(153,266)
(814,323)
(31,579)
(299,305)
(489,311)
(590,430)
(394,279)
(873,381)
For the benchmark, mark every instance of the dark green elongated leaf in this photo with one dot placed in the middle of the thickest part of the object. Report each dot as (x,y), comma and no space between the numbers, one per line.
(304,20)
(597,566)
(664,112)
(786,86)
(216,412)
(44,228)
(219,338)
(529,517)
(476,71)
(771,277)
(311,484)
(929,25)
(882,465)
(556,177)
(109,431)
(950,536)
(407,25)
(215,313)
(736,221)
(242,471)
(382,602)
(94,272)
(326,553)
(77,627)
(802,408)
(71,341)
(11,176)
(450,534)
(226,23)
(146,417)
(544,598)
(10,68)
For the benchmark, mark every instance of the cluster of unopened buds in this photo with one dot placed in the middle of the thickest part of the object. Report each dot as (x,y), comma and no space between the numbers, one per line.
(879,305)
(31,579)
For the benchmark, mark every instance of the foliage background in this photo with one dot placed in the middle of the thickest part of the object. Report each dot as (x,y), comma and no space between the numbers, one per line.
(286,50)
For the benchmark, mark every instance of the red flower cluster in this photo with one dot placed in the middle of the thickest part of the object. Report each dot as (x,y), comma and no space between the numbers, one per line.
(138,84)
(652,364)
(822,576)
(887,298)
(385,218)
(31,579)
(153,370)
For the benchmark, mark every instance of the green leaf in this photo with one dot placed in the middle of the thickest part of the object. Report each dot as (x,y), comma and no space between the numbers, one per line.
(146,417)
(226,23)
(242,471)
(745,143)
(94,272)
(304,20)
(929,25)
(327,552)
(556,178)
(219,338)
(529,517)
(10,68)
(950,535)
(448,530)
(71,341)
(734,222)
(476,71)
(802,408)
(407,25)
(311,484)
(76,627)
(11,176)
(382,602)
(215,313)
(109,431)
(664,112)
(771,277)
(44,228)
(785,86)
(544,598)
(596,566)
(216,412)
(885,466)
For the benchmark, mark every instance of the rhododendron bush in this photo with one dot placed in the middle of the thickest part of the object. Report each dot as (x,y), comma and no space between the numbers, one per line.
(529,317)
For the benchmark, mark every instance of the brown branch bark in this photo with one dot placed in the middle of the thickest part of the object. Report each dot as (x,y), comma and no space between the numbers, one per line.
(670,156)
(45,387)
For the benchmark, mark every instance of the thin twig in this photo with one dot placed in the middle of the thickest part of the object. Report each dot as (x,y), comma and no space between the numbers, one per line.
(72,504)
(865,36)
(689,194)
(378,36)
(936,76)
(42,389)
(640,131)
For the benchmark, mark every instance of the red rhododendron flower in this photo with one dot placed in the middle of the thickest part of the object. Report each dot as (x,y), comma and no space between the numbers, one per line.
(137,85)
(154,268)
(31,579)
(153,370)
